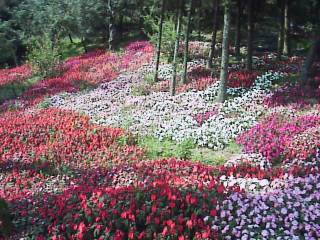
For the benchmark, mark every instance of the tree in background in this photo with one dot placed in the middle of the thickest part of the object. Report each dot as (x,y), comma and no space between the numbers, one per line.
(286,39)
(249,34)
(111,26)
(176,49)
(237,39)
(214,33)
(225,51)
(186,43)
(280,4)
(159,40)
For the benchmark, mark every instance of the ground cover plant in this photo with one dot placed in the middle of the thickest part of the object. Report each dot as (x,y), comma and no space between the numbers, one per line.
(149,120)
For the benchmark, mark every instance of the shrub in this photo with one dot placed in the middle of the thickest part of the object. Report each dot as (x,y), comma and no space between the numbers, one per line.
(45,57)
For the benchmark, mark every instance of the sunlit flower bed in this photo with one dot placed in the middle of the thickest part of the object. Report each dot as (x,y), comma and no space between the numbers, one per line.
(77,175)
(274,135)
(90,69)
(59,137)
(173,117)
(289,212)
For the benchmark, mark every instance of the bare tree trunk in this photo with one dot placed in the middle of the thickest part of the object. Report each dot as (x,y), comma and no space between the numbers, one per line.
(70,38)
(312,54)
(186,44)
(281,31)
(238,30)
(214,34)
(286,47)
(84,44)
(159,41)
(176,50)
(111,24)
(199,21)
(225,52)
(249,37)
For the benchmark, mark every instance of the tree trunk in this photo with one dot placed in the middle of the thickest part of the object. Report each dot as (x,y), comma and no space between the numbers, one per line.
(281,31)
(199,21)
(225,52)
(238,30)
(186,44)
(84,44)
(111,24)
(70,38)
(176,50)
(312,54)
(214,33)
(159,41)
(286,46)
(249,37)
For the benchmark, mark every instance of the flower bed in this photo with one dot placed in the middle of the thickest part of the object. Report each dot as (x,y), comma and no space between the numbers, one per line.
(14,75)
(59,137)
(281,214)
(272,136)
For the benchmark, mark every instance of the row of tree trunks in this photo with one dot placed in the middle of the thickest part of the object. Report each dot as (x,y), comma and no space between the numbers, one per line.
(283,48)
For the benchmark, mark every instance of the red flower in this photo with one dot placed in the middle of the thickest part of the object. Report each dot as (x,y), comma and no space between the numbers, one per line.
(213,213)
(189,224)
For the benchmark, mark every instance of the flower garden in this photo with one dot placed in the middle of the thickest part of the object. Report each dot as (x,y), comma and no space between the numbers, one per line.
(71,166)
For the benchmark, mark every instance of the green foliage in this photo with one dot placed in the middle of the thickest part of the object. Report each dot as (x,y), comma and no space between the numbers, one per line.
(141,89)
(149,79)
(6,225)
(166,148)
(44,57)
(44,104)
(70,49)
(211,157)
(168,33)
(14,90)
(186,150)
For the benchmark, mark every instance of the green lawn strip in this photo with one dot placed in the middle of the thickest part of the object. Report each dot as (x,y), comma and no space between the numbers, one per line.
(186,150)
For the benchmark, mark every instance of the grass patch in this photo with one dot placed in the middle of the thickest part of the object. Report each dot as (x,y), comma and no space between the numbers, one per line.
(211,157)
(14,90)
(187,150)
(166,148)
(69,49)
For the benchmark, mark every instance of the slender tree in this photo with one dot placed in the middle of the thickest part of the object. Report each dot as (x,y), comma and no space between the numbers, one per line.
(186,43)
(249,34)
(111,24)
(281,29)
(159,40)
(312,54)
(199,19)
(238,30)
(214,33)
(176,50)
(286,47)
(225,52)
